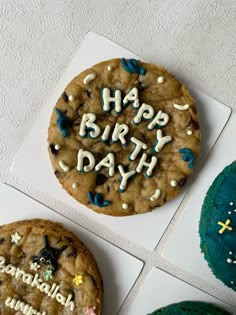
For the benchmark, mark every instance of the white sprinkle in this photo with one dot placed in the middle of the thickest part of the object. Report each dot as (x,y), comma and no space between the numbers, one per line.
(109,68)
(57,147)
(230,253)
(156,195)
(75,185)
(232,282)
(229,212)
(229,260)
(173,183)
(234,210)
(64,166)
(15,238)
(90,77)
(234,261)
(125,206)
(160,79)
(231,203)
(181,107)
(189,132)
(71,98)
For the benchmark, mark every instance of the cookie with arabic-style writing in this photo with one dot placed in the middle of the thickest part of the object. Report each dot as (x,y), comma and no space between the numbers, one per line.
(45,269)
(217,226)
(123,137)
(191,308)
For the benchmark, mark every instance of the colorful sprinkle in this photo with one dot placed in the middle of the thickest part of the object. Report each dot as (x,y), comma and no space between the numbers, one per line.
(34,266)
(131,65)
(181,107)
(160,79)
(78,280)
(156,195)
(57,147)
(47,274)
(97,200)
(187,156)
(64,167)
(63,123)
(90,311)
(15,238)
(125,206)
(90,77)
(173,183)
(225,226)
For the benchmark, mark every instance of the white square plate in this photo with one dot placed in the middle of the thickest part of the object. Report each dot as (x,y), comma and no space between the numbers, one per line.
(162,289)
(118,280)
(33,166)
(182,246)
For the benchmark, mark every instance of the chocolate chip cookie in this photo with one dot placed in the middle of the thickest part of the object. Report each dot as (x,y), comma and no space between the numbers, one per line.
(123,137)
(45,269)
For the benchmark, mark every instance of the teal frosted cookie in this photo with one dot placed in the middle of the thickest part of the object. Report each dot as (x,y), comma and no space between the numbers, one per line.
(191,308)
(218,226)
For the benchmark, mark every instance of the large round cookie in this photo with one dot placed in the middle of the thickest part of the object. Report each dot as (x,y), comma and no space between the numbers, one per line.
(45,270)
(218,226)
(123,137)
(190,308)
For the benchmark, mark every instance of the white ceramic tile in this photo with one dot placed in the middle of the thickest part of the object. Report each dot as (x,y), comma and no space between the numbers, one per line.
(182,246)
(32,163)
(111,260)
(162,289)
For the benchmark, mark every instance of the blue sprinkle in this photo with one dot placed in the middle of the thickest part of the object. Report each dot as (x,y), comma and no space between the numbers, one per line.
(97,200)
(131,65)
(187,156)
(63,123)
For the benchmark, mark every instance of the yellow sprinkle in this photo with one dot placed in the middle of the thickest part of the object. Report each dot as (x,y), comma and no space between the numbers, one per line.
(78,280)
(225,226)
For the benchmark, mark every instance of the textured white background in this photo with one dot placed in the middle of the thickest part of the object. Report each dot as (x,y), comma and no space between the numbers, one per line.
(194,39)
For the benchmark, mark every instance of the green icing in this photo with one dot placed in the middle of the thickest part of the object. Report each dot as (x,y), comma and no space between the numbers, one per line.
(217,207)
(191,308)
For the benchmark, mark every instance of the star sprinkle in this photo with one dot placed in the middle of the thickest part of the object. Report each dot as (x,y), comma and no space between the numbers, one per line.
(47,274)
(34,266)
(90,311)
(15,238)
(78,280)
(225,226)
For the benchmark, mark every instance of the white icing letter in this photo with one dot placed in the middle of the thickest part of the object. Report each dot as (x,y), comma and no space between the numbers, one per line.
(125,177)
(60,298)
(20,306)
(160,119)
(64,167)
(27,278)
(70,303)
(81,156)
(19,273)
(146,111)
(161,141)
(44,287)
(107,99)
(2,264)
(181,107)
(88,123)
(108,161)
(132,96)
(10,302)
(119,133)
(149,165)
(106,133)
(10,270)
(36,281)
(139,145)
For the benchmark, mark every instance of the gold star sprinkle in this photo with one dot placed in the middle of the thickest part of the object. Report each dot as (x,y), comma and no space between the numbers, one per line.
(78,280)
(225,226)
